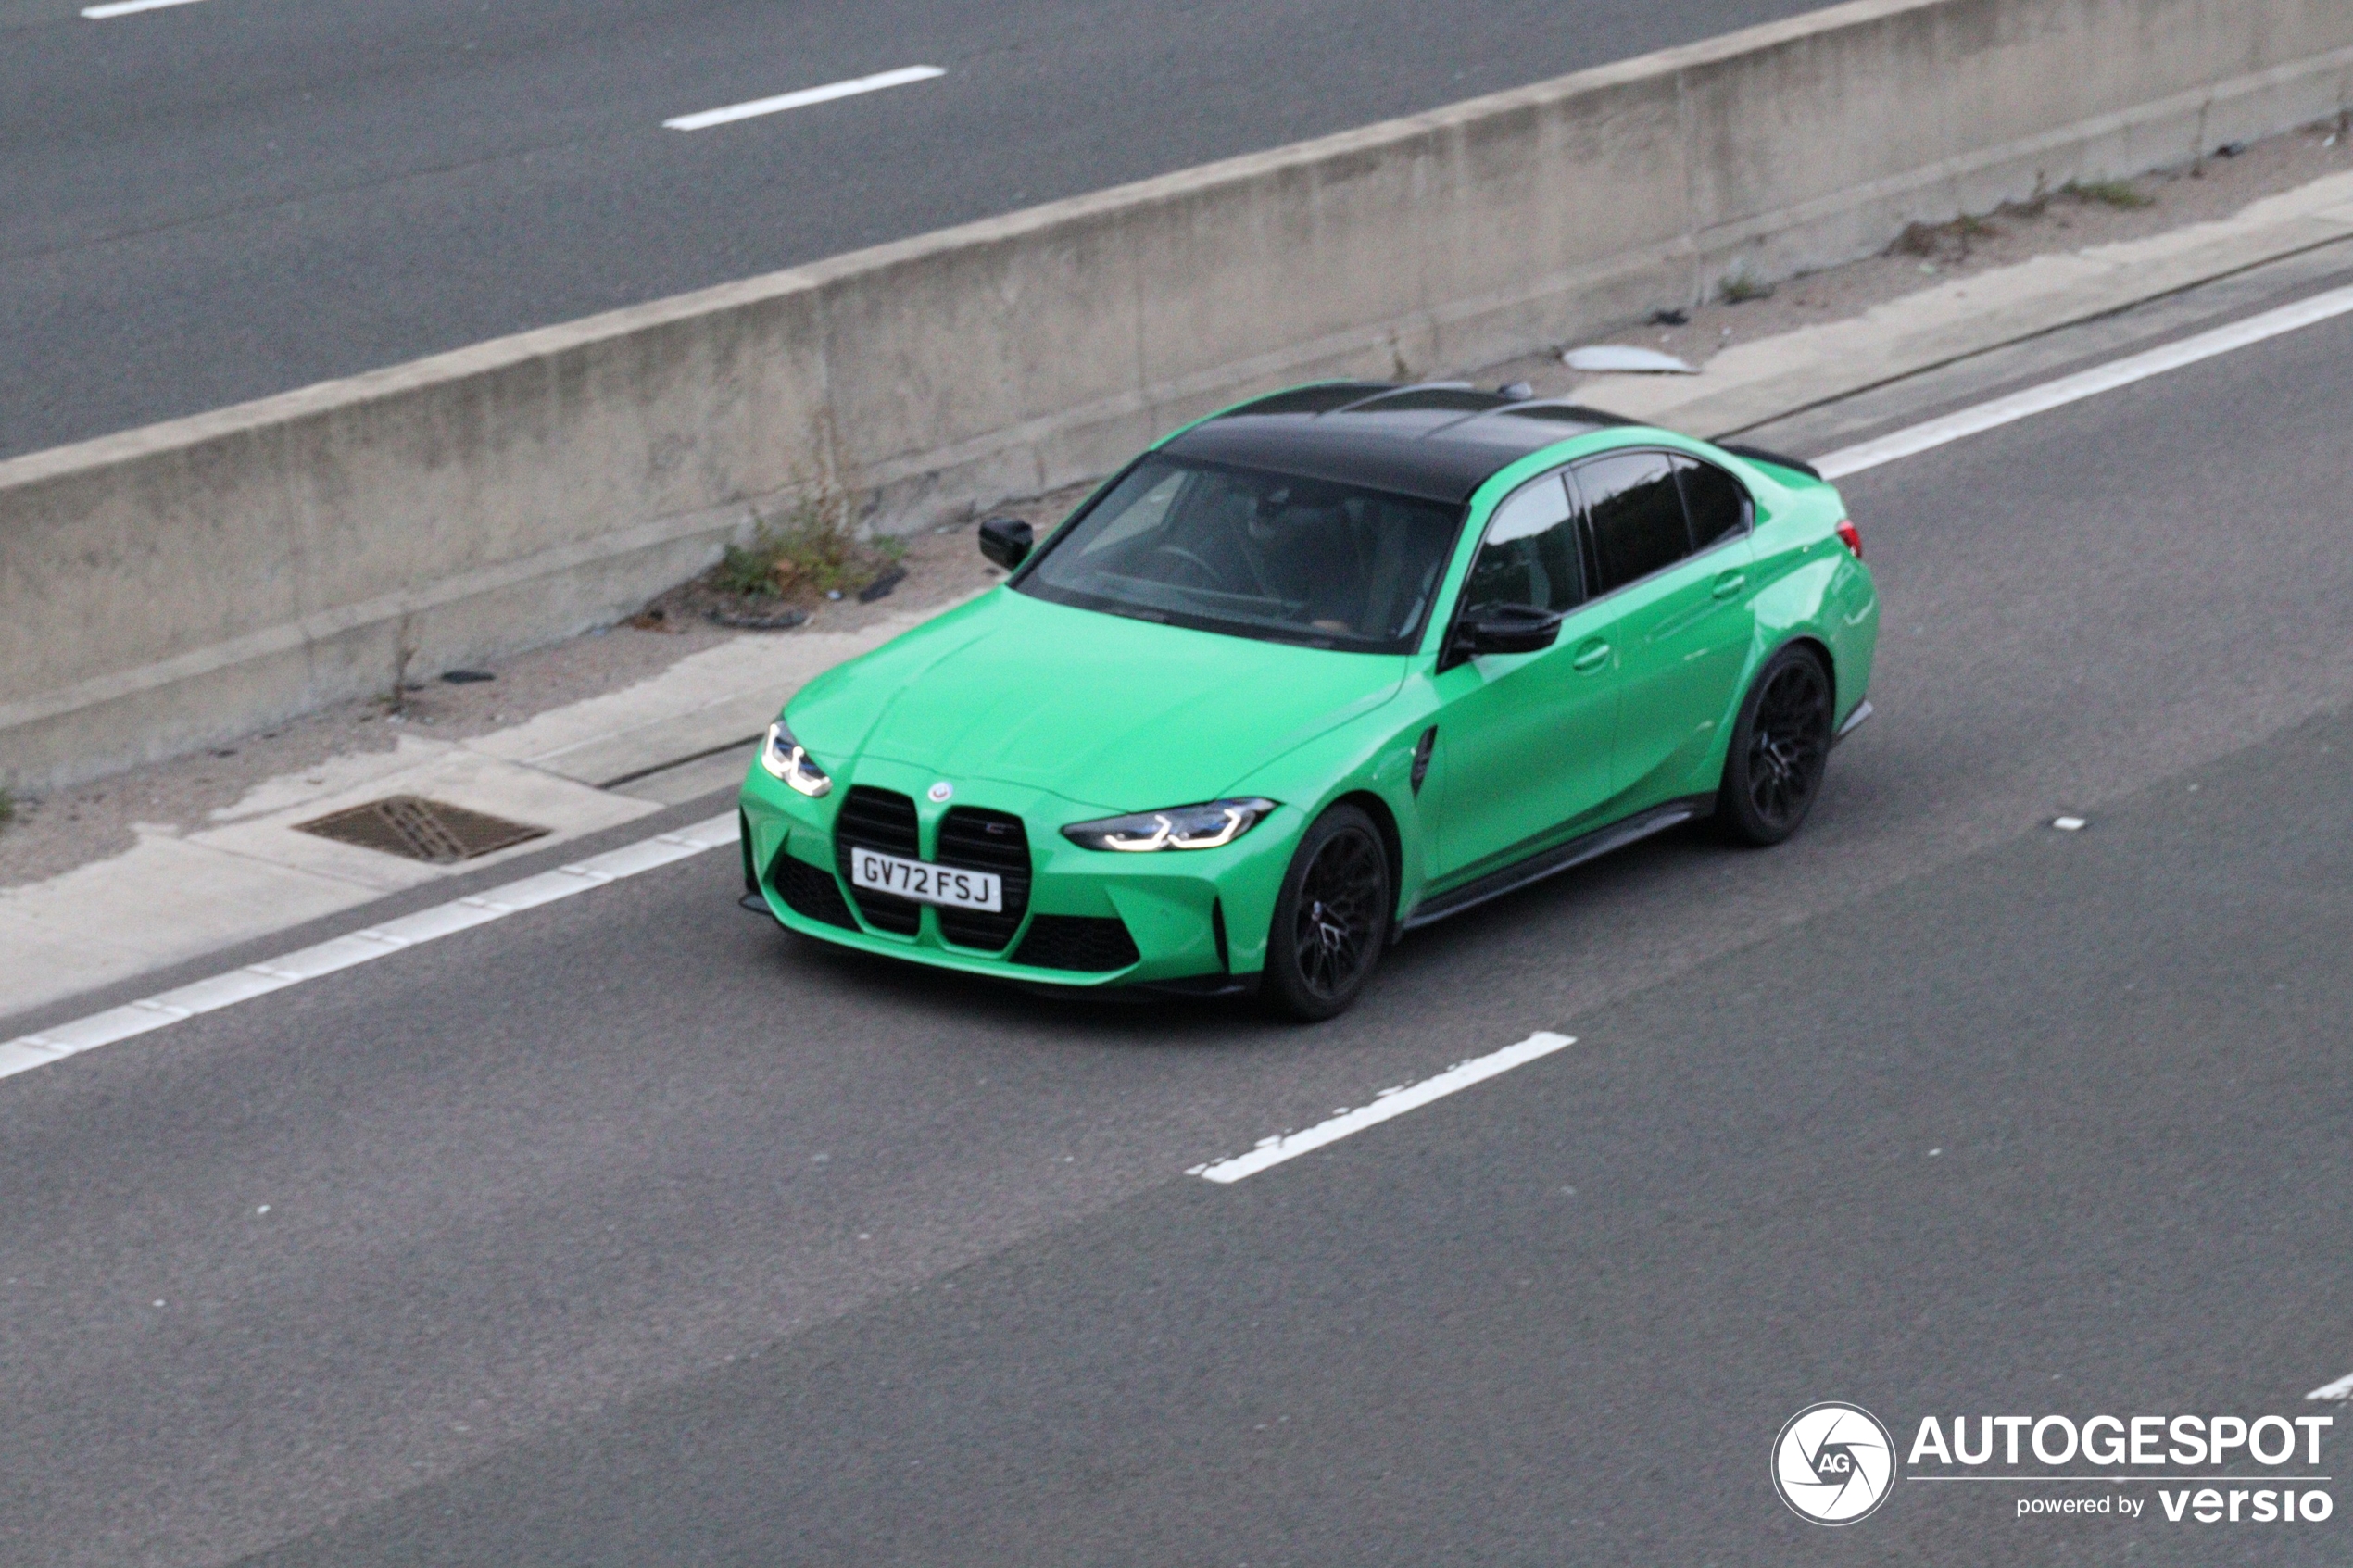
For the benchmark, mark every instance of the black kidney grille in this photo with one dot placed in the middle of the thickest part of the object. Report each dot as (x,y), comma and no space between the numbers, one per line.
(986,841)
(879,819)
(884,820)
(1077,942)
(811,891)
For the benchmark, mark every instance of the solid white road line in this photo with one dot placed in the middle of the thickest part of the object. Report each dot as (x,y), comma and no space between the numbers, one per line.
(125,7)
(2341,1389)
(802,99)
(1388,1103)
(376,941)
(2090,384)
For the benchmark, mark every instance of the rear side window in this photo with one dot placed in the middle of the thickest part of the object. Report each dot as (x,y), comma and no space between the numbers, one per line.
(1530,554)
(1716,504)
(1636,515)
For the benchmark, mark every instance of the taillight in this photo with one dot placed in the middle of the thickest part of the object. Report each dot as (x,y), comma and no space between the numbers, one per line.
(1850,538)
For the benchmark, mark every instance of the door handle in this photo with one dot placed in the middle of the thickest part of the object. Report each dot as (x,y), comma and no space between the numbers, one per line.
(1592,655)
(1730,582)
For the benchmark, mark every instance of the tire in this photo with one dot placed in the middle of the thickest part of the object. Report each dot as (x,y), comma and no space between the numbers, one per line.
(1331,919)
(1781,749)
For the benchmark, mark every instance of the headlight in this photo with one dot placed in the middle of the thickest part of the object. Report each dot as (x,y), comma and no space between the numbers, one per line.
(784,758)
(1205,826)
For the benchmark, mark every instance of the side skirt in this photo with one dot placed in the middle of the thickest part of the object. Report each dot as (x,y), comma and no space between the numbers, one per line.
(1560,858)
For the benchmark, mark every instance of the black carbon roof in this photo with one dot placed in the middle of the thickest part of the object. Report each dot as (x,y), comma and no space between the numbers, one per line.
(1437,441)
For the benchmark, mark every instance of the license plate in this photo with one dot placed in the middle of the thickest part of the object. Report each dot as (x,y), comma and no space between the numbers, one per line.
(927,883)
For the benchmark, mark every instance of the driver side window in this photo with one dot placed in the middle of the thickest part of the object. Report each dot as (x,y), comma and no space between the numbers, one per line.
(1530,554)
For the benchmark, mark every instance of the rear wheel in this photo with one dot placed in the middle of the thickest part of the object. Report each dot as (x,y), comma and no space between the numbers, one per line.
(1781,749)
(1331,920)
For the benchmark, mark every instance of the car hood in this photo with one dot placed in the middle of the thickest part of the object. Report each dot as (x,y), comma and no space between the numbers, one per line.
(1100,709)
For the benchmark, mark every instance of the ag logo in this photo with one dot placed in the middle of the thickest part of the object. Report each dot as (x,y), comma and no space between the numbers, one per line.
(1833,1464)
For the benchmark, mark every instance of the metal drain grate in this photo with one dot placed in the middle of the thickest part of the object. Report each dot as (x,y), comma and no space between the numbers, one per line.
(418,829)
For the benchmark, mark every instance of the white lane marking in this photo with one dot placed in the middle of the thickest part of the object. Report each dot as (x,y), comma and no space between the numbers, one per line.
(1390,1103)
(802,99)
(362,946)
(2341,1389)
(125,7)
(2070,824)
(2089,384)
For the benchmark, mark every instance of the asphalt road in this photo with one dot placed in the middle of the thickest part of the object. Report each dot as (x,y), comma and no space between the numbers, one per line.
(626,1230)
(219,201)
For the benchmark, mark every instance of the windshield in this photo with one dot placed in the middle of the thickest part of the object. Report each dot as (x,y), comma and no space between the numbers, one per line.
(1254,555)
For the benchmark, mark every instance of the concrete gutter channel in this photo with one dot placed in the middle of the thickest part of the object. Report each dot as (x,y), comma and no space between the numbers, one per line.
(1013,357)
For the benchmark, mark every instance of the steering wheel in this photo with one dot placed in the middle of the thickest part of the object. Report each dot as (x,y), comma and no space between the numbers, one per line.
(1209,575)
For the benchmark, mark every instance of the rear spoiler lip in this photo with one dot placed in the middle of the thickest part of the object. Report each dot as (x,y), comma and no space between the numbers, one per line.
(1758,455)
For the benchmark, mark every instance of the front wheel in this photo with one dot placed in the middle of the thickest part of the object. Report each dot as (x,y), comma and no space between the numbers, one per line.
(1331,920)
(1781,749)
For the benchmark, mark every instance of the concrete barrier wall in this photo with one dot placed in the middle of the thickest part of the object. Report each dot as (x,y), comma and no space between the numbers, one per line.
(182,584)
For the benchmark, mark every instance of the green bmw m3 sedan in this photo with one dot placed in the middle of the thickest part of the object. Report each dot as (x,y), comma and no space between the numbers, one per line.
(1309,673)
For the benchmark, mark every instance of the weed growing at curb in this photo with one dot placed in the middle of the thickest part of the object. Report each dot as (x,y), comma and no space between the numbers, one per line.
(395,701)
(1944,240)
(812,550)
(808,554)
(1739,288)
(1952,241)
(2121,194)
(7,805)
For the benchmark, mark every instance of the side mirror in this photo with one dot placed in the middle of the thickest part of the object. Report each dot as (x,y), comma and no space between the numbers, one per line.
(1493,628)
(1006,540)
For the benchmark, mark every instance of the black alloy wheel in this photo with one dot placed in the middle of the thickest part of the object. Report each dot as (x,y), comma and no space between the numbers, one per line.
(1780,749)
(1332,919)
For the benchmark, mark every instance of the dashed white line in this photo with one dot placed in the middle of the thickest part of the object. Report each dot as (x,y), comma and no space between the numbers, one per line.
(783,101)
(1388,1103)
(125,7)
(2341,1389)
(2090,384)
(381,941)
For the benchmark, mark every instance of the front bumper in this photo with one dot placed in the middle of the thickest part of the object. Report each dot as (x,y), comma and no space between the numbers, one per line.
(1088,918)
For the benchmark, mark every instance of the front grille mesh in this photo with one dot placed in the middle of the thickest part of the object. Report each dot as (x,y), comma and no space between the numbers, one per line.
(884,820)
(1084,942)
(986,841)
(811,891)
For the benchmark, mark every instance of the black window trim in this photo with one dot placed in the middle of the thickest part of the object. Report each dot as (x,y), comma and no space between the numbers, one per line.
(1585,517)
